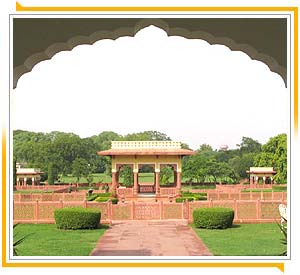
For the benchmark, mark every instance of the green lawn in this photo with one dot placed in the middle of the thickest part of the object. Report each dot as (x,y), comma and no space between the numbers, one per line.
(47,240)
(96,178)
(244,240)
(186,188)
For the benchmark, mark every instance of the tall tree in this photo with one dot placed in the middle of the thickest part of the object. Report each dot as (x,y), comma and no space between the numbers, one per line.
(80,168)
(274,153)
(249,145)
(147,136)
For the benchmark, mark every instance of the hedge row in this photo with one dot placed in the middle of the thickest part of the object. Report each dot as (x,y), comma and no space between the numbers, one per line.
(213,218)
(104,199)
(77,218)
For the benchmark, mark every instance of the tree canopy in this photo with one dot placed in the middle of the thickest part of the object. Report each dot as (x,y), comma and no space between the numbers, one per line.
(66,153)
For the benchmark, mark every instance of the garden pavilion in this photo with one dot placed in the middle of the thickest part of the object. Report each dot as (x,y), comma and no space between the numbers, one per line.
(27,176)
(155,154)
(264,173)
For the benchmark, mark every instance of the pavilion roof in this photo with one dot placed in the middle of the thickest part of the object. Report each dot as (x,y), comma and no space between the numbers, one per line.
(146,148)
(261,170)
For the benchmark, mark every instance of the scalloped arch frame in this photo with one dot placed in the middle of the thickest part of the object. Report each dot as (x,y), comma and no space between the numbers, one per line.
(51,50)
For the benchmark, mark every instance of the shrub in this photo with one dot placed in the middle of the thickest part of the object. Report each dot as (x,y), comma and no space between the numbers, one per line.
(105,195)
(200,198)
(114,200)
(77,218)
(279,188)
(101,199)
(183,199)
(92,197)
(213,218)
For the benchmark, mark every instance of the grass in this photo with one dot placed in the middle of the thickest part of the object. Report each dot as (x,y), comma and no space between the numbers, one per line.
(47,240)
(96,178)
(244,240)
(186,188)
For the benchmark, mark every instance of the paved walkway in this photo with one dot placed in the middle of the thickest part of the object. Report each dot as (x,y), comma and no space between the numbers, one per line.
(150,238)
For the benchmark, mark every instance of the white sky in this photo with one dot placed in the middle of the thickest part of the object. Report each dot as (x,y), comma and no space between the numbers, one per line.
(192,91)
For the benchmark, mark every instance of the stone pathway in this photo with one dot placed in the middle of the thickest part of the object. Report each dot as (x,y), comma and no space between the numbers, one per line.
(150,238)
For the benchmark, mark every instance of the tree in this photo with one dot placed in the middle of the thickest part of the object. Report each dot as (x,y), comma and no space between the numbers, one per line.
(166,174)
(249,145)
(14,171)
(274,154)
(80,168)
(147,136)
(241,164)
(126,174)
(52,173)
(104,139)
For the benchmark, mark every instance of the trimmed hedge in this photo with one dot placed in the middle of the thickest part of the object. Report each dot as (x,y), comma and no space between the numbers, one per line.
(92,197)
(105,195)
(114,200)
(279,188)
(77,218)
(213,218)
(183,199)
(102,199)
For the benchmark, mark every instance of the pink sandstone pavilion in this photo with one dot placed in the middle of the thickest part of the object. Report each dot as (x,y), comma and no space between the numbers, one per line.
(155,154)
(265,173)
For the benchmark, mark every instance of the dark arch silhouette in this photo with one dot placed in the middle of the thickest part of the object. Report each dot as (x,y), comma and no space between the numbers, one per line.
(39,39)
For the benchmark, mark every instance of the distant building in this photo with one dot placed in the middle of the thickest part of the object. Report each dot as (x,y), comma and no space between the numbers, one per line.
(265,173)
(224,147)
(27,176)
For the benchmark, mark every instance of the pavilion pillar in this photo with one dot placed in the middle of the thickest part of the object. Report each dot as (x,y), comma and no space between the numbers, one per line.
(271,179)
(114,181)
(18,181)
(157,174)
(178,182)
(25,181)
(135,182)
(175,177)
(33,181)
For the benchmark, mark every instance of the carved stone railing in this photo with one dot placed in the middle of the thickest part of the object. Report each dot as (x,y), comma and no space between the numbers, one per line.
(167,191)
(125,192)
(145,144)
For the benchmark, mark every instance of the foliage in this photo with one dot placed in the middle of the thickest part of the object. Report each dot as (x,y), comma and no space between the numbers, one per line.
(147,135)
(101,199)
(274,154)
(55,154)
(249,145)
(90,179)
(283,230)
(114,200)
(14,171)
(213,218)
(92,197)
(17,242)
(183,199)
(166,174)
(241,164)
(80,168)
(106,195)
(126,175)
(52,173)
(279,188)
(77,218)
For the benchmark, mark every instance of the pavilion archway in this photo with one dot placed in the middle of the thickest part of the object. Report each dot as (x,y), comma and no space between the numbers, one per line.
(38,39)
